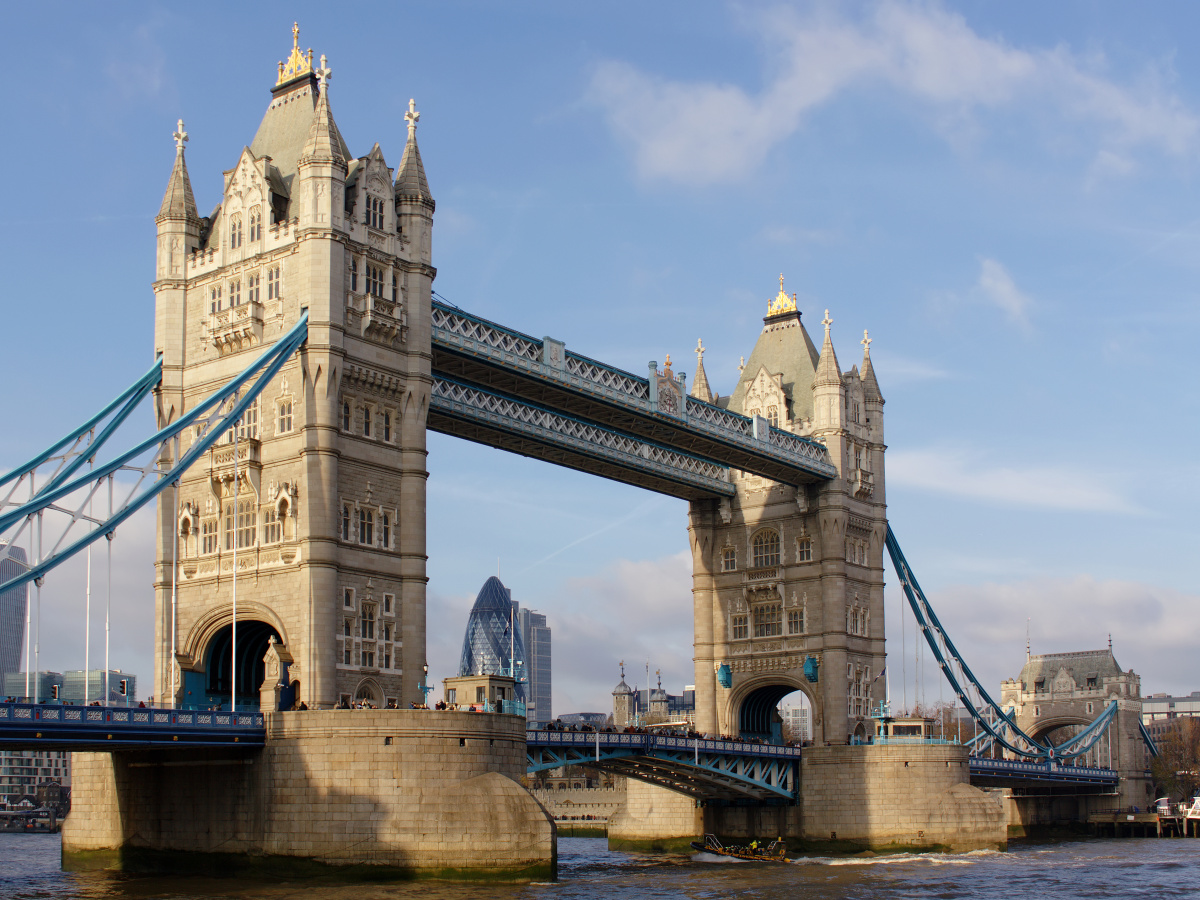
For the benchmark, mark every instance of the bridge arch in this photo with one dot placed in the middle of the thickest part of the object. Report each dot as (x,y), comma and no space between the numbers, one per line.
(752,703)
(1043,728)
(249,668)
(200,636)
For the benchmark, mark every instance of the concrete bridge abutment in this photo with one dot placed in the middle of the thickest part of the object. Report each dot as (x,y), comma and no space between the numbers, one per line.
(374,793)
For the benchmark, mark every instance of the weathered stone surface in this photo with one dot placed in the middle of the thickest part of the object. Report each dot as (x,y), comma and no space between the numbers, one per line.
(410,792)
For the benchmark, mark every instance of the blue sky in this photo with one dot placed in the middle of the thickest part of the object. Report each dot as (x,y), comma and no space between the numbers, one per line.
(1004,193)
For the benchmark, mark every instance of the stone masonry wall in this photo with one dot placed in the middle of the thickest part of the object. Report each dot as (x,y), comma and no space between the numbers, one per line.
(898,795)
(417,791)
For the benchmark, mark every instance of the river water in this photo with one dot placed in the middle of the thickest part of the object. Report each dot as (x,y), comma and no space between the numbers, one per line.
(1129,867)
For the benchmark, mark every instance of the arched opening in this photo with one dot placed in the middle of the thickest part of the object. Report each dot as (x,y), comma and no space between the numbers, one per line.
(368,690)
(778,713)
(252,640)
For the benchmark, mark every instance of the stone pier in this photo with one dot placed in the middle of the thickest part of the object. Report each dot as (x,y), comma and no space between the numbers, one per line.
(387,793)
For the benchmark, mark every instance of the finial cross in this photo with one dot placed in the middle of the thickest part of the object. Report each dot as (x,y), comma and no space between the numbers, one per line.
(295,35)
(781,282)
(324,73)
(827,321)
(412,116)
(866,342)
(700,348)
(180,136)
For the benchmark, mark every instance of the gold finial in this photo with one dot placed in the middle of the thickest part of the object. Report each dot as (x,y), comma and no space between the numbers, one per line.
(782,302)
(667,366)
(297,63)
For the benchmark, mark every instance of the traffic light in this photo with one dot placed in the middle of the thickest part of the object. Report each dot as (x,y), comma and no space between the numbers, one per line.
(124,687)
(54,691)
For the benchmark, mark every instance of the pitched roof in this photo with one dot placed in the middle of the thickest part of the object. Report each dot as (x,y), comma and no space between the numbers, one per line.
(324,142)
(870,384)
(783,348)
(285,127)
(700,389)
(827,367)
(410,176)
(1080,666)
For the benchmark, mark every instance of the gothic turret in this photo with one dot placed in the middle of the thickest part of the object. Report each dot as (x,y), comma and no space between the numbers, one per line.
(411,184)
(872,396)
(178,202)
(622,702)
(827,384)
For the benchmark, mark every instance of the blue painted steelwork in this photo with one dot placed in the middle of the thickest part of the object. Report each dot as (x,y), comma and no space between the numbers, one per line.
(549,363)
(706,769)
(995,721)
(812,669)
(207,414)
(24,726)
(986,769)
(551,428)
(1148,739)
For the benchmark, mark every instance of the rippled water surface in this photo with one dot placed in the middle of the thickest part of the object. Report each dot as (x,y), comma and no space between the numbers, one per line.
(29,868)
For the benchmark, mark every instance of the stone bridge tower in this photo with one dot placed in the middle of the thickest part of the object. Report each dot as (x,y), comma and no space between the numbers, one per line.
(788,581)
(325,515)
(1058,694)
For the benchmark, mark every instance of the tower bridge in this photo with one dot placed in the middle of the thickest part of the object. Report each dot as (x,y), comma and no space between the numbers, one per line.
(301,360)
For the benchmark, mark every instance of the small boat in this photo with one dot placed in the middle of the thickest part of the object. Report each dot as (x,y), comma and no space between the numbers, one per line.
(772,852)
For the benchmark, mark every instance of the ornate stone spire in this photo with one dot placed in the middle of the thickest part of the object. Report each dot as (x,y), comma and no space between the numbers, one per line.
(700,389)
(828,371)
(324,142)
(410,177)
(870,384)
(178,202)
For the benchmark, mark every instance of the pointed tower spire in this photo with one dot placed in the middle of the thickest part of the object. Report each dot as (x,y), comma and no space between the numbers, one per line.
(700,389)
(178,202)
(410,177)
(870,384)
(828,371)
(324,142)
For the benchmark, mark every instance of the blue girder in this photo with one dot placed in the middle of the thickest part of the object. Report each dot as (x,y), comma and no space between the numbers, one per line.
(53,726)
(715,771)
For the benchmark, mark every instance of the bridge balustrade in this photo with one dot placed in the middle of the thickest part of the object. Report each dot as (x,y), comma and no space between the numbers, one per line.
(55,726)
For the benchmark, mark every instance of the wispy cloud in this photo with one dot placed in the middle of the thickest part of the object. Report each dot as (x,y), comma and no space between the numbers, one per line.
(996,287)
(893,369)
(705,132)
(958,474)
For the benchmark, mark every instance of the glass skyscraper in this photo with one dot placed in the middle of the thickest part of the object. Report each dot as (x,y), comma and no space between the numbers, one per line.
(12,612)
(492,645)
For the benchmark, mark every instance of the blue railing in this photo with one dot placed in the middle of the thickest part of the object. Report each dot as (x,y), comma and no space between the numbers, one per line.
(1041,770)
(648,742)
(29,725)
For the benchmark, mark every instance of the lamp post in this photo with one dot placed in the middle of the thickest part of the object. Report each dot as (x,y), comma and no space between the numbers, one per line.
(424,687)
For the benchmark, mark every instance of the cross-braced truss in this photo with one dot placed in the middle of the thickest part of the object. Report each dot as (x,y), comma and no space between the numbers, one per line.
(704,769)
(469,349)
(472,412)
(60,518)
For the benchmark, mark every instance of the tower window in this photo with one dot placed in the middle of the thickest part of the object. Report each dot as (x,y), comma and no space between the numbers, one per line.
(346,627)
(345,523)
(208,534)
(285,416)
(387,603)
(348,598)
(252,283)
(766,548)
(366,421)
(353,274)
(235,232)
(385,525)
(728,559)
(366,526)
(255,224)
(395,288)
(740,628)
(274,291)
(375,280)
(235,293)
(367,626)
(215,299)
(374,212)
(804,550)
(272,527)
(387,426)
(767,620)
(795,621)
(346,417)
(368,658)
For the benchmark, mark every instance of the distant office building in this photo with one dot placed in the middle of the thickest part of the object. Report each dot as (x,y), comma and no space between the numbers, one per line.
(1158,707)
(12,611)
(26,774)
(795,723)
(47,685)
(492,645)
(73,686)
(535,635)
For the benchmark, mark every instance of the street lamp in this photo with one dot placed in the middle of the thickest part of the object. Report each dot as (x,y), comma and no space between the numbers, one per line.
(424,687)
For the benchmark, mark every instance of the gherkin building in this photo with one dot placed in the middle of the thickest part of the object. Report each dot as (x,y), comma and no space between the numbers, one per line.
(491,639)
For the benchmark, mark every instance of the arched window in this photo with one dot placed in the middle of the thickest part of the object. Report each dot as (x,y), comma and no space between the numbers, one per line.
(345,415)
(804,550)
(345,523)
(366,526)
(272,527)
(235,232)
(765,548)
(255,224)
(353,274)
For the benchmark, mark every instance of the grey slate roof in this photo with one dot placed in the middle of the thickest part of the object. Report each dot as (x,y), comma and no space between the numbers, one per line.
(870,384)
(410,176)
(783,348)
(1080,666)
(285,127)
(700,389)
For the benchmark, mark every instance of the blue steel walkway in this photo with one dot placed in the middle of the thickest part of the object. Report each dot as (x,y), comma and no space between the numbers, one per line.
(988,772)
(721,771)
(24,726)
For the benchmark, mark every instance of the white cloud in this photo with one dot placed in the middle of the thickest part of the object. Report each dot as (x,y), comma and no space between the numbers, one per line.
(955,473)
(892,369)
(706,132)
(996,286)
